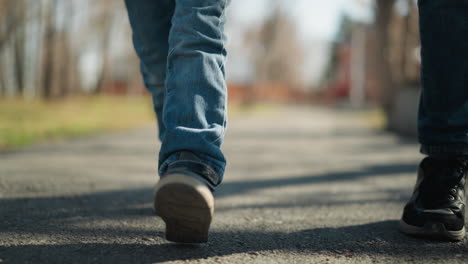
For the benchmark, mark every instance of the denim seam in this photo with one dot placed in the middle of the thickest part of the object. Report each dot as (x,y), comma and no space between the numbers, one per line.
(222,67)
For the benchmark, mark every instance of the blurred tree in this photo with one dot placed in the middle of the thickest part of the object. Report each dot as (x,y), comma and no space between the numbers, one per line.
(49,48)
(19,46)
(404,44)
(9,21)
(343,35)
(383,15)
(53,48)
(103,23)
(12,20)
(404,68)
(278,55)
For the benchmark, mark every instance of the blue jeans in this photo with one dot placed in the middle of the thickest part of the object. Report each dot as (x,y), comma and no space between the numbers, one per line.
(181,46)
(443,109)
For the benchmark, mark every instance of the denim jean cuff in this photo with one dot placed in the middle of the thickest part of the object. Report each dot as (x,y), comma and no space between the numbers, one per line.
(206,172)
(444,150)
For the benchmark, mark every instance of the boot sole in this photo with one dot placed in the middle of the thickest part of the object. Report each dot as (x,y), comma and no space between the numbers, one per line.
(186,206)
(432,231)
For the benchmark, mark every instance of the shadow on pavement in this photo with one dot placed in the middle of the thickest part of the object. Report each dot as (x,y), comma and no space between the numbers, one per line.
(232,188)
(378,239)
(37,222)
(23,212)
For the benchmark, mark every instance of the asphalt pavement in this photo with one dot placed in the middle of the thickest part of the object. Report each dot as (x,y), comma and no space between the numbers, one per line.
(303,185)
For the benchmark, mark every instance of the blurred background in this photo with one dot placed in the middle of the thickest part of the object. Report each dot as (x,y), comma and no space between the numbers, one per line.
(67,67)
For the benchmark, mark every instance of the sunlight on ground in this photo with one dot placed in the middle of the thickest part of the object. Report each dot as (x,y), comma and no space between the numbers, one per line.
(375,117)
(23,123)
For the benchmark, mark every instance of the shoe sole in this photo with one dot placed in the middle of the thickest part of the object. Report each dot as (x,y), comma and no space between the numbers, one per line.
(186,206)
(432,230)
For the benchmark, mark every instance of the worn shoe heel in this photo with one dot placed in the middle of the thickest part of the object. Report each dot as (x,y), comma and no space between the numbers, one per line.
(186,205)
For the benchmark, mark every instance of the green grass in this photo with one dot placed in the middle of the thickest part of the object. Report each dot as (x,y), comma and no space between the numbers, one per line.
(26,122)
(23,123)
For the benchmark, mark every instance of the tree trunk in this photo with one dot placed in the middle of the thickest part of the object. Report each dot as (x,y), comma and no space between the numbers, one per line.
(383,14)
(49,47)
(19,61)
(103,80)
(64,64)
(2,80)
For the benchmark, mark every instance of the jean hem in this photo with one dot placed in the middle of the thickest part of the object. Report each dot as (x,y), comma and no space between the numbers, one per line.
(219,171)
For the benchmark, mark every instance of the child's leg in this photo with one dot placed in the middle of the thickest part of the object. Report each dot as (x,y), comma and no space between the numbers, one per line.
(195,105)
(183,42)
(151,23)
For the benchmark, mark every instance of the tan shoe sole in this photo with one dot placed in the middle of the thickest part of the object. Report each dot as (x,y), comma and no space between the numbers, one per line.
(186,205)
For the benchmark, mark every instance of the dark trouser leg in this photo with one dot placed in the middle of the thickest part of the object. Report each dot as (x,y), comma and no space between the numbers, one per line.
(443,112)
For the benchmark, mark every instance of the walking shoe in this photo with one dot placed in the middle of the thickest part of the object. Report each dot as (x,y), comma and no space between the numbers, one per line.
(183,200)
(437,208)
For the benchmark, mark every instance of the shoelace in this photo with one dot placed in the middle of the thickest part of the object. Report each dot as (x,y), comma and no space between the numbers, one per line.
(442,177)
